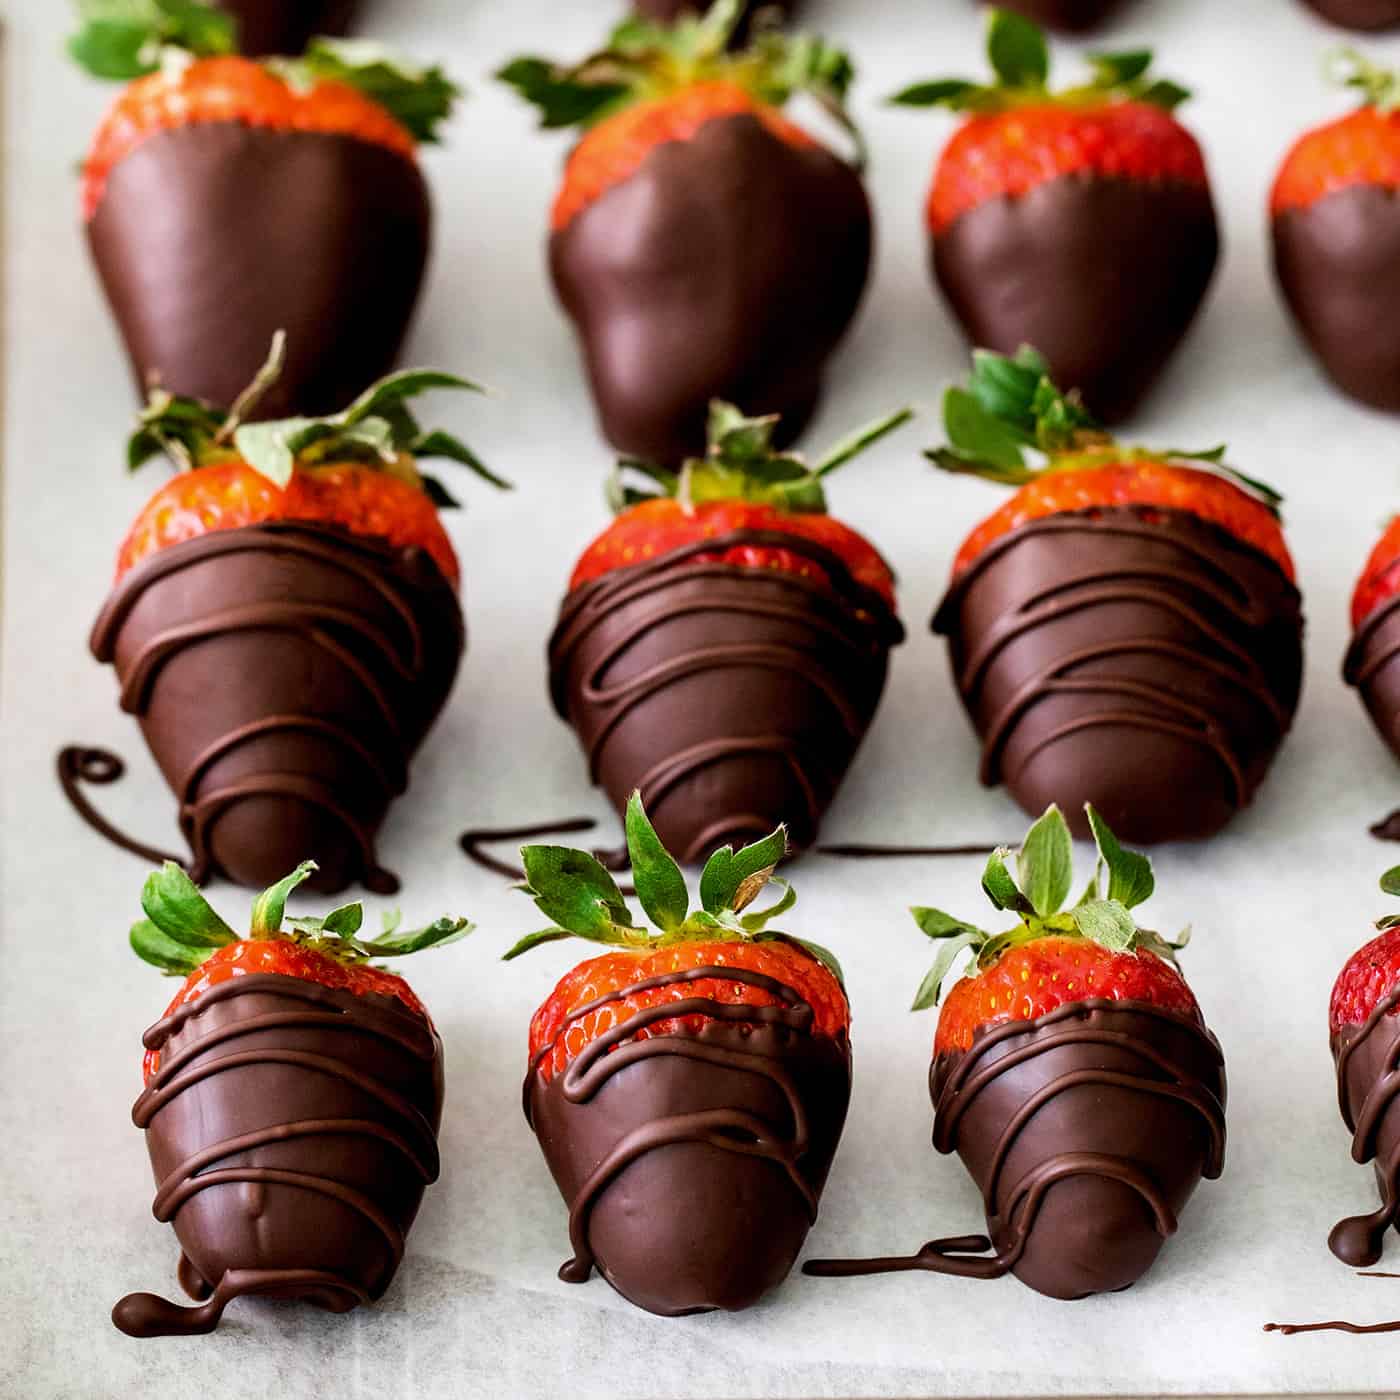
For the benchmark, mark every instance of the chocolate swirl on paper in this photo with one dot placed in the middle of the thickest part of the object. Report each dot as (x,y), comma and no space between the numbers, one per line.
(692,1164)
(283,675)
(734,698)
(1086,1130)
(292,1129)
(1137,658)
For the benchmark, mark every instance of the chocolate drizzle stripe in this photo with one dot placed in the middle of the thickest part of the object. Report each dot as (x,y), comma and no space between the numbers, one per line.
(1358,668)
(78,764)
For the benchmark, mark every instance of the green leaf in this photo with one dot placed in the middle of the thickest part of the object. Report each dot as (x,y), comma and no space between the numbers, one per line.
(419,99)
(1165,94)
(956,93)
(124,39)
(1130,879)
(726,872)
(853,444)
(1390,881)
(396,388)
(931,988)
(563,100)
(574,890)
(1001,888)
(977,436)
(345,922)
(1045,863)
(1017,50)
(174,904)
(271,904)
(760,918)
(396,943)
(271,448)
(1113,70)
(534,940)
(936,924)
(160,950)
(660,885)
(440,444)
(1108,923)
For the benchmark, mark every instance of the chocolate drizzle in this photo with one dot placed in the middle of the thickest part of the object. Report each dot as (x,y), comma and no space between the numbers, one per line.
(1372,665)
(77,765)
(1086,1131)
(472,843)
(1138,658)
(731,1128)
(733,698)
(292,1129)
(284,674)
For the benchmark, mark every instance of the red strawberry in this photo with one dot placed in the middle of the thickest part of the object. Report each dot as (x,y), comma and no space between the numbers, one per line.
(1072,1073)
(688,1089)
(1125,630)
(723,644)
(1336,237)
(1075,16)
(289,195)
(291,1103)
(704,245)
(1079,222)
(1359,14)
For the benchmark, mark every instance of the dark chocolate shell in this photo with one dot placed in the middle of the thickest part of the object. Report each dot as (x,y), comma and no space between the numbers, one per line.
(1141,659)
(285,26)
(692,1164)
(283,675)
(1102,275)
(727,266)
(292,1129)
(210,238)
(1075,16)
(1371,666)
(733,698)
(1338,264)
(1358,14)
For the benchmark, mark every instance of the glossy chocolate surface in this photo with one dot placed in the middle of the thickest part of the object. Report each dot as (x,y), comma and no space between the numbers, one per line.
(734,698)
(1338,263)
(283,675)
(1359,14)
(210,238)
(728,265)
(284,26)
(1137,658)
(292,1129)
(1071,15)
(1373,667)
(1103,276)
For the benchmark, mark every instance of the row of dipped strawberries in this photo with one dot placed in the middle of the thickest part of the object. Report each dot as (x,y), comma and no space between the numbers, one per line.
(689,1085)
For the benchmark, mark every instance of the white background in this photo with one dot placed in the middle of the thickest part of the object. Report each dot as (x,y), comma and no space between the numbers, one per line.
(1278,901)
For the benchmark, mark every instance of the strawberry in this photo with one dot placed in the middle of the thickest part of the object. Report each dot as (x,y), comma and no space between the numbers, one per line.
(704,245)
(261,170)
(1336,236)
(298,571)
(1080,221)
(723,643)
(1371,658)
(1072,1073)
(687,1088)
(291,1102)
(1359,14)
(1075,16)
(1380,579)
(1125,630)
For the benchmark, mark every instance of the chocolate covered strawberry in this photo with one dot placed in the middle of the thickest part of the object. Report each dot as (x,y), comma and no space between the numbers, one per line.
(1075,16)
(1336,236)
(1125,630)
(1359,14)
(1072,1072)
(226,198)
(723,643)
(1372,659)
(287,26)
(704,245)
(1080,222)
(291,1104)
(285,624)
(688,1086)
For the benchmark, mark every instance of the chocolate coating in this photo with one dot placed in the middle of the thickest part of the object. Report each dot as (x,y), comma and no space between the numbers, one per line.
(692,1164)
(1338,263)
(733,698)
(1358,14)
(285,26)
(283,675)
(1371,667)
(1076,16)
(1141,659)
(727,266)
(292,1129)
(1103,276)
(212,237)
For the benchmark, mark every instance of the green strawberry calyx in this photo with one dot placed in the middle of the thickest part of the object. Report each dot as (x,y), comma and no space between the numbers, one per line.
(741,464)
(647,59)
(1010,407)
(1020,60)
(1037,894)
(377,430)
(181,928)
(1379,87)
(582,900)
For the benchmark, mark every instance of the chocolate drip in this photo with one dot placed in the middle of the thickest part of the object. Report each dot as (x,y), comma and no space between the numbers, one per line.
(732,1127)
(1104,276)
(285,26)
(1086,1131)
(212,237)
(292,1129)
(861,852)
(1138,658)
(1076,16)
(1359,14)
(78,764)
(284,675)
(473,841)
(728,266)
(1388,828)
(733,698)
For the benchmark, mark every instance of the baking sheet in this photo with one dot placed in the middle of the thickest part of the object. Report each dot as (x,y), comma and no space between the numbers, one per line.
(1277,902)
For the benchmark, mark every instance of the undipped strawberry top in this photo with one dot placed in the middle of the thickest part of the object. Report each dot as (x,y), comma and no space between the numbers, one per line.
(291,1102)
(1125,630)
(227,197)
(1080,222)
(704,245)
(723,643)
(285,625)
